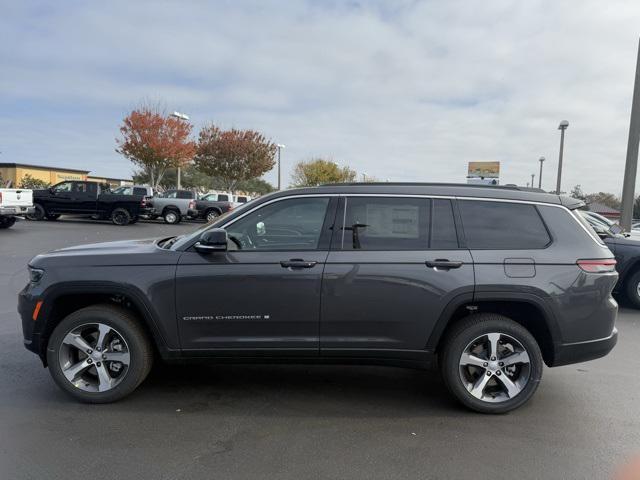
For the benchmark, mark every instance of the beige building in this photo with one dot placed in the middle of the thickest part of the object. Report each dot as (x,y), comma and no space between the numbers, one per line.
(15,172)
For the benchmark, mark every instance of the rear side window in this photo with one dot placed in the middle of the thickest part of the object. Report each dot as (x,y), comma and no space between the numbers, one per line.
(185,194)
(385,223)
(502,225)
(139,191)
(223,198)
(443,226)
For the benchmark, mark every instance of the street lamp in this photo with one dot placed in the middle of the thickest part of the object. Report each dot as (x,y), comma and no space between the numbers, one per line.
(280,147)
(532,176)
(540,176)
(562,127)
(184,117)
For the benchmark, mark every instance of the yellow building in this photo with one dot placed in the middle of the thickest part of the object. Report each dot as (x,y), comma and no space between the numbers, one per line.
(15,172)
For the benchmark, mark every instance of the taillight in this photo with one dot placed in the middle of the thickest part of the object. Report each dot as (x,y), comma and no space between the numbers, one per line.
(604,265)
(143,203)
(192,204)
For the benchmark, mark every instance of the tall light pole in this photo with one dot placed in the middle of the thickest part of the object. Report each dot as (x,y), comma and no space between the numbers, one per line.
(631,165)
(562,127)
(280,147)
(184,117)
(541,160)
(532,177)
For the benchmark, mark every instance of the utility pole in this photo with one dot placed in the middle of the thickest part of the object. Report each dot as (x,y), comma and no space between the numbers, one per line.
(562,127)
(540,176)
(631,166)
(532,176)
(280,147)
(184,117)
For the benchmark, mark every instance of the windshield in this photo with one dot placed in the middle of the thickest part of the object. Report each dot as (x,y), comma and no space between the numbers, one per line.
(180,241)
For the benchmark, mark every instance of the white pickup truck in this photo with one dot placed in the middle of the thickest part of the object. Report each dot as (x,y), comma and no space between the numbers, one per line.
(14,202)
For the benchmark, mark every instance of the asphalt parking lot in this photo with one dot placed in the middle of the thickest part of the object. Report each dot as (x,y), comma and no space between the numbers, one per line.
(298,422)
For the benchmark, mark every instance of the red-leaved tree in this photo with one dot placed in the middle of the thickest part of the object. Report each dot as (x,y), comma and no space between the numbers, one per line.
(155,142)
(234,155)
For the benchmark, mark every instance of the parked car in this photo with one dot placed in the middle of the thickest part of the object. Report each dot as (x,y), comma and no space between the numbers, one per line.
(627,253)
(218,197)
(209,208)
(14,202)
(491,282)
(610,224)
(172,205)
(86,198)
(240,199)
(141,190)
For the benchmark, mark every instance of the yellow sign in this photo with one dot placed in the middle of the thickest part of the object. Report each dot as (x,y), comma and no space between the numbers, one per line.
(484,169)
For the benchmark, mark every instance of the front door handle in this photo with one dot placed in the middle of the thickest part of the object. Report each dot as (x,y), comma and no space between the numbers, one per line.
(443,264)
(297,263)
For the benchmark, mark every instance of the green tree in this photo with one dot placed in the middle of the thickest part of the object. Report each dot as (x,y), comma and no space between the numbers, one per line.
(319,171)
(576,192)
(234,155)
(609,199)
(27,181)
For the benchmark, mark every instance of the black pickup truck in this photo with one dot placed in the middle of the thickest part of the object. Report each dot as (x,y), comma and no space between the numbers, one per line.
(86,198)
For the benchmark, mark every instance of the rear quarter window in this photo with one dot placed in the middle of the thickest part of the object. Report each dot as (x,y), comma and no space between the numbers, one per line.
(502,225)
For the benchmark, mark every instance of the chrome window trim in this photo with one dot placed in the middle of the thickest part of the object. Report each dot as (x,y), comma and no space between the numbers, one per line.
(450,197)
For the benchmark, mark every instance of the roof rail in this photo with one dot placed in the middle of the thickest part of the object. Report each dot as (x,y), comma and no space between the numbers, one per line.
(434,184)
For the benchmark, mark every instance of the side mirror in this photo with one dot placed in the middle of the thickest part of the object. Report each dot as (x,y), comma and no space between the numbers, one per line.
(214,240)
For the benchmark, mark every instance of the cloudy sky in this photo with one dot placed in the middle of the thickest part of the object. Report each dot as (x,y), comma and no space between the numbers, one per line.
(401,90)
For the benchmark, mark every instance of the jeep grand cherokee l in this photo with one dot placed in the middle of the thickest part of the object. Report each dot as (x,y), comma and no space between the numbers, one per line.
(490,281)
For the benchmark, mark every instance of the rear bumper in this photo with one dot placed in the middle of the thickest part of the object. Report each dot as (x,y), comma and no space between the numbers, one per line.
(17,210)
(569,353)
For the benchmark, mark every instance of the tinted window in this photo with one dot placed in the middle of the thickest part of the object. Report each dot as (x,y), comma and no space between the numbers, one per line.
(169,194)
(498,225)
(385,223)
(63,187)
(294,224)
(223,198)
(139,191)
(443,227)
(185,194)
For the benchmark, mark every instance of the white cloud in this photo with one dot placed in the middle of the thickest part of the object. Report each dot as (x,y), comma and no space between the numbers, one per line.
(401,91)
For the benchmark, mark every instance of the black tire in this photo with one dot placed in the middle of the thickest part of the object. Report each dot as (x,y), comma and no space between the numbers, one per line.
(127,326)
(211,214)
(39,214)
(7,222)
(631,288)
(172,216)
(461,336)
(120,216)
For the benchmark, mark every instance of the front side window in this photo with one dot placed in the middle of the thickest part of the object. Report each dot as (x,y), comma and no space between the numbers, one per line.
(63,187)
(170,194)
(385,223)
(502,225)
(293,224)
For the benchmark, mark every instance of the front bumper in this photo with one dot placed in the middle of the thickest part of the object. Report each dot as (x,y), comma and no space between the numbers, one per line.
(17,210)
(30,327)
(569,353)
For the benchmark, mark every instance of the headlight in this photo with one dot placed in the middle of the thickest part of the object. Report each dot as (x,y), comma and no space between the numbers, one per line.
(35,274)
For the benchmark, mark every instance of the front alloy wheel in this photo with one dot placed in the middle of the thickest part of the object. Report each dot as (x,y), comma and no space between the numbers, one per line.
(94,357)
(99,354)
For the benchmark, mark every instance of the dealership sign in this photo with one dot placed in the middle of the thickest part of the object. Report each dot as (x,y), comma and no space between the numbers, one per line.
(484,173)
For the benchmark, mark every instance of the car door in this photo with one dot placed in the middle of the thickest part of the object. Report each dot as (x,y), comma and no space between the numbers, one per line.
(84,197)
(394,265)
(61,200)
(263,294)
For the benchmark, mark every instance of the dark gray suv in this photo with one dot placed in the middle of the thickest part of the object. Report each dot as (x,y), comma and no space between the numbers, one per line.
(489,281)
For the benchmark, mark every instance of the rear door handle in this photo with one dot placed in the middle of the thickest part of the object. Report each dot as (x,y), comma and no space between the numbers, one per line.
(297,263)
(443,264)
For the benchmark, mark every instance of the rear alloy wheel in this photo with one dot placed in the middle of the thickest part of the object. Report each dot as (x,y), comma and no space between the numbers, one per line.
(38,214)
(491,363)
(172,217)
(99,354)
(120,216)
(632,288)
(7,222)
(212,215)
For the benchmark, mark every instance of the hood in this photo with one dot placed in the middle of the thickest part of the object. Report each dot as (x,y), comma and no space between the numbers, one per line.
(122,252)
